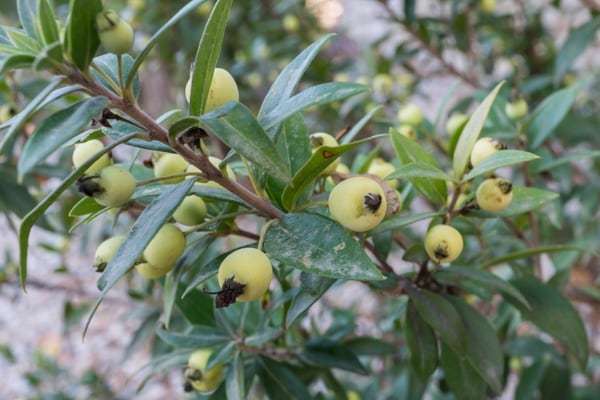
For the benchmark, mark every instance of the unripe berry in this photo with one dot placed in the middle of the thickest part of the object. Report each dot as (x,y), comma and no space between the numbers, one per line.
(381,168)
(150,271)
(455,123)
(383,84)
(170,164)
(197,377)
(410,114)
(443,243)
(244,275)
(191,211)
(487,6)
(105,251)
(116,35)
(83,151)
(358,203)
(483,148)
(112,187)
(223,89)
(516,109)
(494,194)
(165,248)
(408,131)
(319,139)
(291,23)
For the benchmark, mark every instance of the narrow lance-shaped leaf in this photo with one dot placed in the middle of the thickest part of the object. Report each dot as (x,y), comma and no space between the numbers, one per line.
(30,219)
(235,125)
(313,96)
(142,232)
(81,36)
(286,82)
(516,255)
(278,380)
(499,159)
(139,59)
(200,336)
(235,382)
(419,170)
(207,55)
(48,22)
(470,133)
(578,40)
(57,129)
(461,377)
(28,15)
(422,343)
(330,354)
(320,246)
(553,313)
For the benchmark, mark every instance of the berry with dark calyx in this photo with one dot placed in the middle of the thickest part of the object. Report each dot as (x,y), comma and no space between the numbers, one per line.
(83,151)
(112,187)
(443,243)
(358,203)
(197,377)
(105,252)
(483,148)
(494,194)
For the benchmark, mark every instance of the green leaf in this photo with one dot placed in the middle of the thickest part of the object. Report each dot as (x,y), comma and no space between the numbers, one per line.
(22,41)
(207,55)
(81,37)
(400,221)
(47,20)
(549,114)
(470,133)
(330,354)
(480,276)
(166,28)
(579,39)
(199,336)
(311,289)
(313,168)
(525,199)
(182,125)
(530,379)
(15,61)
(57,129)
(285,83)
(484,350)
(320,246)
(119,129)
(108,64)
(235,125)
(49,57)
(461,377)
(419,170)
(30,219)
(422,343)
(441,316)
(315,95)
(278,380)
(196,307)
(499,159)
(142,232)
(528,253)
(409,151)
(553,313)
(86,205)
(547,165)
(235,386)
(28,16)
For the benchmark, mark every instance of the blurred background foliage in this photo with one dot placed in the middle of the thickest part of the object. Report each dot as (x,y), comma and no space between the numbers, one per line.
(442,55)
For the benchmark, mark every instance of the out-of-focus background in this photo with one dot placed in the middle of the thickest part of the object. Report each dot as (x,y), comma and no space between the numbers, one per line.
(42,351)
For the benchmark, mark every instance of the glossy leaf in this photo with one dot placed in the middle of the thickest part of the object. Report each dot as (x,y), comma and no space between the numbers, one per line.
(34,215)
(313,168)
(58,128)
(461,377)
(20,60)
(139,59)
(49,57)
(577,42)
(408,151)
(419,170)
(422,343)
(235,386)
(28,16)
(553,313)
(235,125)
(278,380)
(516,255)
(207,55)
(284,85)
(81,37)
(499,159)
(22,41)
(546,117)
(49,29)
(320,246)
(313,96)
(119,129)
(311,289)
(441,315)
(481,276)
(85,205)
(331,354)
(142,232)
(470,133)
(483,348)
